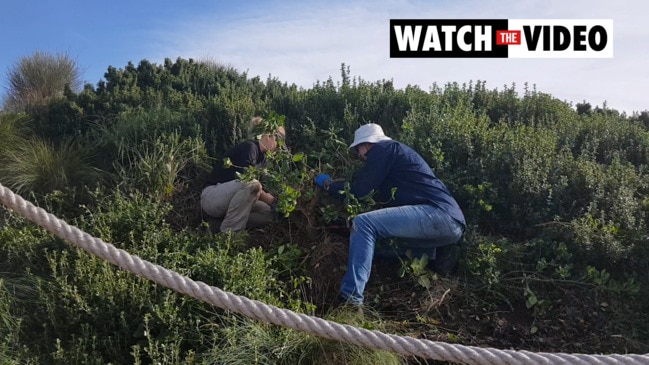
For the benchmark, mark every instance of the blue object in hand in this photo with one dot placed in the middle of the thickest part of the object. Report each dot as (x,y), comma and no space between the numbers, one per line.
(321,179)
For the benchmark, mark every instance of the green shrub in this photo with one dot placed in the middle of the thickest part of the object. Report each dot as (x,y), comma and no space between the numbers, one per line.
(12,349)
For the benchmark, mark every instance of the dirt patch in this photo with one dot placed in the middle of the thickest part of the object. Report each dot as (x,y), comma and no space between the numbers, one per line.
(450,310)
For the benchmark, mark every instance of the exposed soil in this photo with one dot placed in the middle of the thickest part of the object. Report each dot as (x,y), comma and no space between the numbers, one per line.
(449,311)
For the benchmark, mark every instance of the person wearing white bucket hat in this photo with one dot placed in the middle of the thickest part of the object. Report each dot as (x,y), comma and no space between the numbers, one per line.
(369,133)
(417,208)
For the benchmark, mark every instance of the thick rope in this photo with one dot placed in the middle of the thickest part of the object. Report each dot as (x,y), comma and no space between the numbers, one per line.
(301,322)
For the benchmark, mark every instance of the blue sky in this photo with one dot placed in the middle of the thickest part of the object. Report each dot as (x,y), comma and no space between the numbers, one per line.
(305,41)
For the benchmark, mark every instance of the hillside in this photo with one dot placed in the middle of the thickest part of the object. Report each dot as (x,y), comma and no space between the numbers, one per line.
(555,257)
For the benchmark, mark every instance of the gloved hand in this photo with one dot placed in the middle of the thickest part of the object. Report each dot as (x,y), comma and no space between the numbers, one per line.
(321,179)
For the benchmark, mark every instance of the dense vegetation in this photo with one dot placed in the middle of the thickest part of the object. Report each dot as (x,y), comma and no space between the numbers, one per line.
(556,257)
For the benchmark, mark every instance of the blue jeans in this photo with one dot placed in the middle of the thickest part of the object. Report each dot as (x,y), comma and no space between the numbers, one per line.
(421,227)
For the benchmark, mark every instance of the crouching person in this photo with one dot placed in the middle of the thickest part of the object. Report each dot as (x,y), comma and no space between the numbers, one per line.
(239,204)
(418,208)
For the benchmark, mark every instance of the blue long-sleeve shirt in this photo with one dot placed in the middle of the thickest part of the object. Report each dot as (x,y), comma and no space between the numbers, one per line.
(391,164)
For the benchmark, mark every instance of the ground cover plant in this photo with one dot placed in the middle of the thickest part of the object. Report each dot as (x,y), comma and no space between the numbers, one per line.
(555,257)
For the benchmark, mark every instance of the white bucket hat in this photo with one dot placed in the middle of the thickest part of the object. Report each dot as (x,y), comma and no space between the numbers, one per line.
(371,133)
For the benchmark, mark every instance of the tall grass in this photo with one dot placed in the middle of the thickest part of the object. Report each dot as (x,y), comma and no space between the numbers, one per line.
(153,151)
(13,128)
(321,351)
(36,79)
(40,166)
(245,341)
(156,166)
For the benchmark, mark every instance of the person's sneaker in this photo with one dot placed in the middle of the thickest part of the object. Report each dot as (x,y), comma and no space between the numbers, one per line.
(447,259)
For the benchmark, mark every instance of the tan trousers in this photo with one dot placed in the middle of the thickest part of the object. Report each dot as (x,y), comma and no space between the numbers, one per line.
(237,203)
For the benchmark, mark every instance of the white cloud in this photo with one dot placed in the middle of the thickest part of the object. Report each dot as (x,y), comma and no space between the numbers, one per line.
(302,43)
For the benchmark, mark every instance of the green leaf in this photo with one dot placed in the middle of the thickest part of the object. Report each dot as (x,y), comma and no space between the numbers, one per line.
(424,281)
(226,162)
(298,157)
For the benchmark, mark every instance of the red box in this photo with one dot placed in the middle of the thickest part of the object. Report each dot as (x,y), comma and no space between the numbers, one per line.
(507,37)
